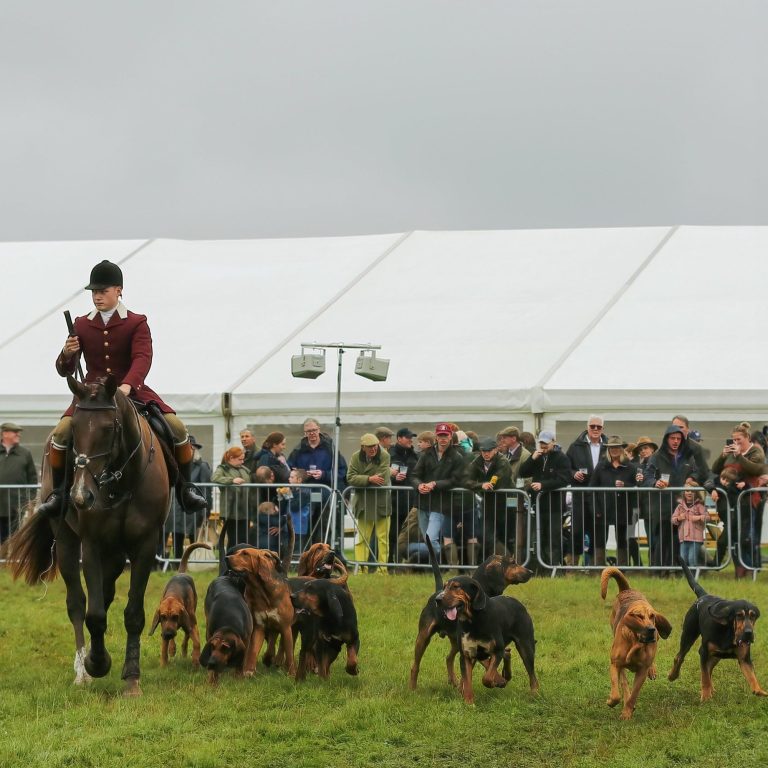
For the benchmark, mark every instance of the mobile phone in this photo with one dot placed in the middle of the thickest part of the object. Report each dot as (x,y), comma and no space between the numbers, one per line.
(729,441)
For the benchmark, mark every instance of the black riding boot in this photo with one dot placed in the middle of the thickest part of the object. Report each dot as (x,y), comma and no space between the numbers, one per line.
(52,506)
(187,494)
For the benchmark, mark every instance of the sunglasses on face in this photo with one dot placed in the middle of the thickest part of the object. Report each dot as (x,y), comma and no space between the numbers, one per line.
(596,426)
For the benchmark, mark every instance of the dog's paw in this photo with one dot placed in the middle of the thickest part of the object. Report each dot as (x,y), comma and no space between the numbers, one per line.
(760,692)
(248,673)
(652,673)
(612,702)
(626,714)
(352,669)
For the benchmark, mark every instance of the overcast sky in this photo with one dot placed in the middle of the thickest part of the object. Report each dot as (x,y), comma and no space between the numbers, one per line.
(271,119)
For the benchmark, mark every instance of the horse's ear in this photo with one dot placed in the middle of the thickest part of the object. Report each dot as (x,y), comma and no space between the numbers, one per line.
(76,388)
(110,385)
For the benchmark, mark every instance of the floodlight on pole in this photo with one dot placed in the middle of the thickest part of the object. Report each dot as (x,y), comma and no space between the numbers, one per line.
(310,366)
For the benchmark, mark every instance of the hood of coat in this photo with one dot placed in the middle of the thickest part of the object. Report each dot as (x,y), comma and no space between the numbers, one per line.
(671,430)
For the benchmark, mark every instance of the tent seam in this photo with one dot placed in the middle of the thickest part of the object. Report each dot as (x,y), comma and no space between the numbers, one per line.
(539,385)
(66,301)
(296,331)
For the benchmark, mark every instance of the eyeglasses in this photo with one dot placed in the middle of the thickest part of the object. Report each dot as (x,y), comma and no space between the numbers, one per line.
(311,431)
(596,426)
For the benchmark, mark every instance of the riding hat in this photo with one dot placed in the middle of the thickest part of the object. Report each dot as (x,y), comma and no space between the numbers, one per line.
(104,275)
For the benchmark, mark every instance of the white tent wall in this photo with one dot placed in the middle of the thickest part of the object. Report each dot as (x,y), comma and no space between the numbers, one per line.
(485,328)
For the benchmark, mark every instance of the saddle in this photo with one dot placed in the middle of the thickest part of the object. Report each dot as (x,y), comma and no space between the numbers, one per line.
(159,426)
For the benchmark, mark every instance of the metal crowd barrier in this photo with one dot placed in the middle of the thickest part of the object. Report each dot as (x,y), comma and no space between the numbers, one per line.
(473,527)
(16,502)
(747,515)
(568,529)
(631,527)
(256,514)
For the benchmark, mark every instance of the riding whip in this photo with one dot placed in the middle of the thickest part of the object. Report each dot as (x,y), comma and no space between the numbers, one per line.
(71,329)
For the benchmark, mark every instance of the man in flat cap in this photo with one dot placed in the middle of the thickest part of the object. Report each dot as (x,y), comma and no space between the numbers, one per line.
(114,341)
(16,468)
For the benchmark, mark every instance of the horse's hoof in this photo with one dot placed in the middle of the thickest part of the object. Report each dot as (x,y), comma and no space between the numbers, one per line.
(98,668)
(132,688)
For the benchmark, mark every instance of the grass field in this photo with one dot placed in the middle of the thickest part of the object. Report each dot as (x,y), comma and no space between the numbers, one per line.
(374,720)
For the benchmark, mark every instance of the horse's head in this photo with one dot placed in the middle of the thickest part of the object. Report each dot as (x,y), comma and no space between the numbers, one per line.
(96,433)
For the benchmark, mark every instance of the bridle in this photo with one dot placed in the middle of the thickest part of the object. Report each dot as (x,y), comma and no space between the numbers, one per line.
(108,475)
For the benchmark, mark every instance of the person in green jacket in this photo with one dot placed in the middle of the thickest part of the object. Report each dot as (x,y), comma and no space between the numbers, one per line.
(368,471)
(233,501)
(17,467)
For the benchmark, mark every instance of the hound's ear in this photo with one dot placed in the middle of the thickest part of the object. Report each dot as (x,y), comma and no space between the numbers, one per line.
(155,621)
(720,612)
(663,626)
(479,600)
(184,620)
(205,655)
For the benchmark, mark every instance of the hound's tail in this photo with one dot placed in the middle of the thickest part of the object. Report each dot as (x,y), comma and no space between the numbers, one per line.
(188,551)
(616,574)
(435,567)
(694,585)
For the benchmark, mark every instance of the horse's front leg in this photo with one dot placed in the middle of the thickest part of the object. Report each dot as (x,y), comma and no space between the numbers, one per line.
(68,558)
(141,567)
(97,661)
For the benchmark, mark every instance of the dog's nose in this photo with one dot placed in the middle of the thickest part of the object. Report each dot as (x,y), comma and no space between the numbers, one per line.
(748,636)
(169,634)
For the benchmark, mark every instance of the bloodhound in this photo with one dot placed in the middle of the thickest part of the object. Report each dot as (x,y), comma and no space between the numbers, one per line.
(636,627)
(727,629)
(228,627)
(493,575)
(268,595)
(485,626)
(177,611)
(322,562)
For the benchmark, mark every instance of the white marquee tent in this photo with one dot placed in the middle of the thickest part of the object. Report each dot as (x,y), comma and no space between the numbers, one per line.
(536,326)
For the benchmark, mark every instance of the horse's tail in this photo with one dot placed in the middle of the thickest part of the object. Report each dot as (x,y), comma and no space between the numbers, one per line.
(31,551)
(188,551)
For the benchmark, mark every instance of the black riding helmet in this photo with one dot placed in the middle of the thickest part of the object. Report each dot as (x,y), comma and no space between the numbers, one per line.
(104,275)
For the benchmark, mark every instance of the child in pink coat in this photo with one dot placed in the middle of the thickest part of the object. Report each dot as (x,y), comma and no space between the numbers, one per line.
(690,517)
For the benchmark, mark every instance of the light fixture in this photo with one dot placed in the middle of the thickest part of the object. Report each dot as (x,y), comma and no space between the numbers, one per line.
(308,365)
(372,367)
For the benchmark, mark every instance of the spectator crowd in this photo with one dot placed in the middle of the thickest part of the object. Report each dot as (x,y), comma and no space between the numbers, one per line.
(592,503)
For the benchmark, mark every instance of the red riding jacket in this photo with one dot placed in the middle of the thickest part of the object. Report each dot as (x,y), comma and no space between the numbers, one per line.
(122,347)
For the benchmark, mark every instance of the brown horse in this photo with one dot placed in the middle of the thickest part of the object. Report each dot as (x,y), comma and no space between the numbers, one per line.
(117,505)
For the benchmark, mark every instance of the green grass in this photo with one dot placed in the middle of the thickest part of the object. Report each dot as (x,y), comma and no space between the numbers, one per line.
(374,720)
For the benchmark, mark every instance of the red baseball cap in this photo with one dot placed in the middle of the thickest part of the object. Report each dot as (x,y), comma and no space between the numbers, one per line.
(443,429)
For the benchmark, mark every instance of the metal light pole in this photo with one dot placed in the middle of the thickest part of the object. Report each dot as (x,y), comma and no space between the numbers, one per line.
(377,372)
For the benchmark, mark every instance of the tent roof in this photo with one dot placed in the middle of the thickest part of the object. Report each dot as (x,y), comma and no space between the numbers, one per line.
(482,322)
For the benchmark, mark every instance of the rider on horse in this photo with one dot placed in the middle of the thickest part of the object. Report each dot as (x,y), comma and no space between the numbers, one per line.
(117,341)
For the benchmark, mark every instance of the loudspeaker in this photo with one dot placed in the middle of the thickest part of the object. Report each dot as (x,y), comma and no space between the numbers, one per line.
(307,366)
(372,367)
